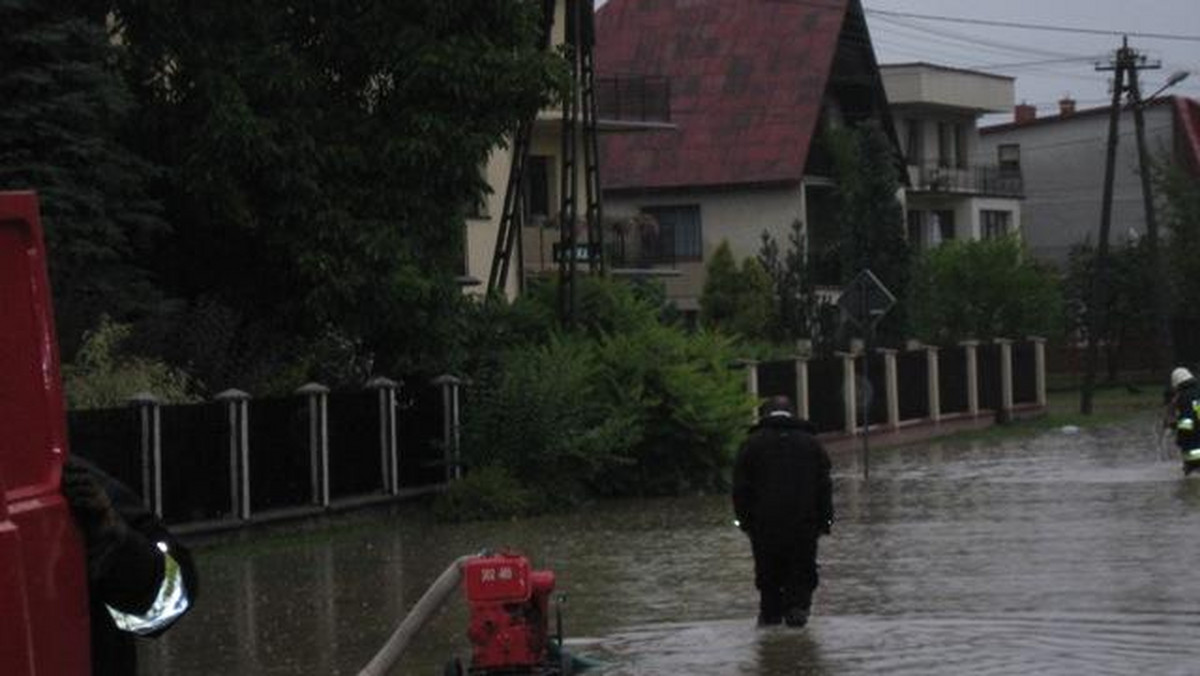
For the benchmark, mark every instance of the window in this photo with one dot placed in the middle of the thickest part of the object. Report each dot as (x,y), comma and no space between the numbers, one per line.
(960,146)
(944,225)
(916,142)
(945,144)
(1009,157)
(679,235)
(995,223)
(537,190)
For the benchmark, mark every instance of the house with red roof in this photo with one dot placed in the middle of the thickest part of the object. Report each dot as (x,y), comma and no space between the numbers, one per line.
(752,84)
(1062,160)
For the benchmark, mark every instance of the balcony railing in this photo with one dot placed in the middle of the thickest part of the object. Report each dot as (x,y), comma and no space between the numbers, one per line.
(976,180)
(633,99)
(635,251)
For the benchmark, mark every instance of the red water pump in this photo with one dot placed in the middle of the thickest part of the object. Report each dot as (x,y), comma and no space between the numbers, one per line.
(509,606)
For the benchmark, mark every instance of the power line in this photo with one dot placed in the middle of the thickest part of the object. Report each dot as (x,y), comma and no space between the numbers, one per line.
(1037,27)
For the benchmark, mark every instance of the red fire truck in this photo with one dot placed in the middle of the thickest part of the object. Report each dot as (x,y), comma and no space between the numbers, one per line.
(43,586)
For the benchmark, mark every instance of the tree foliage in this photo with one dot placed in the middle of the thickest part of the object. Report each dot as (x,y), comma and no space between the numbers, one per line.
(800,313)
(62,107)
(1180,193)
(320,156)
(982,289)
(737,301)
(1127,312)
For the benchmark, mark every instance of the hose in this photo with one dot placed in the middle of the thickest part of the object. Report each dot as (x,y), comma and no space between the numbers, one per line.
(421,613)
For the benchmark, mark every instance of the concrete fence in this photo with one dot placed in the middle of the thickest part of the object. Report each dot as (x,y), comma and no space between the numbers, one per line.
(239,459)
(921,385)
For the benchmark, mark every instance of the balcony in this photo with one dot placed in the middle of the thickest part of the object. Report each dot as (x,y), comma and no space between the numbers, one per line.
(641,99)
(989,180)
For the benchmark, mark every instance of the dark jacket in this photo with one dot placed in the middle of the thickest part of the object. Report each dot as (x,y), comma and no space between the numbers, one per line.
(781,482)
(1187,415)
(129,577)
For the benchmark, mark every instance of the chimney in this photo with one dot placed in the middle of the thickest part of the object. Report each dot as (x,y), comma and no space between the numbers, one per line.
(1066,106)
(1024,113)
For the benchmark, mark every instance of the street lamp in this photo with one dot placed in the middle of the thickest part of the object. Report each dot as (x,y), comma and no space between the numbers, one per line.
(1175,78)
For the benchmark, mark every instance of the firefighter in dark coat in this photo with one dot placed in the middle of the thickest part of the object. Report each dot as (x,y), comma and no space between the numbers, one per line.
(782,495)
(140,579)
(1186,401)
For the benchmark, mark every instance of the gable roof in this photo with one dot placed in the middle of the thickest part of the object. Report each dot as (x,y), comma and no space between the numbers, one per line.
(747,81)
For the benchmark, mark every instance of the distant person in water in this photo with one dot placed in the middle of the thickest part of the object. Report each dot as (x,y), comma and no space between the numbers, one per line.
(782,495)
(1185,391)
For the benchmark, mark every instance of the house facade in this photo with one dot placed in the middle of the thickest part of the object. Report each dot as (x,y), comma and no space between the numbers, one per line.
(1062,159)
(752,85)
(956,191)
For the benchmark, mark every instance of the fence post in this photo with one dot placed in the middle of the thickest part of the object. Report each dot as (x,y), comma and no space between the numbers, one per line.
(802,408)
(1039,366)
(148,407)
(318,440)
(935,384)
(389,460)
(452,453)
(891,386)
(751,367)
(970,347)
(237,404)
(1006,381)
(849,391)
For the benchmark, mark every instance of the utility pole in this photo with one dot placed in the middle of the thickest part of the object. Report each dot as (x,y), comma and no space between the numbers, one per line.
(1125,66)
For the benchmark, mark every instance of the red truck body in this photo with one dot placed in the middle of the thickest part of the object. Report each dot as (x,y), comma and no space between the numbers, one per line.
(43,586)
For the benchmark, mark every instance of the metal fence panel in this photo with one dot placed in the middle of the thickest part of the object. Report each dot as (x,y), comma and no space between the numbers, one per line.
(777,378)
(419,433)
(912,373)
(1024,356)
(355,464)
(280,462)
(990,385)
(112,439)
(195,459)
(952,379)
(876,388)
(826,408)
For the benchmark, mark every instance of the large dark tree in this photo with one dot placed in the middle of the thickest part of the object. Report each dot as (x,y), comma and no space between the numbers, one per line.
(871,233)
(61,108)
(321,156)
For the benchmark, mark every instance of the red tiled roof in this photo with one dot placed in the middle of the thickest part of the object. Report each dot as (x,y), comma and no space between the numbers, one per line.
(747,80)
(1187,112)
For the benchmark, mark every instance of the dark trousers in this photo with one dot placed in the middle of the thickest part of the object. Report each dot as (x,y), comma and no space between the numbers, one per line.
(785,572)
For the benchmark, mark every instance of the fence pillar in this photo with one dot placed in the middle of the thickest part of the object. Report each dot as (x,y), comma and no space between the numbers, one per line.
(970,347)
(389,459)
(318,440)
(451,425)
(751,367)
(849,391)
(802,407)
(237,404)
(935,384)
(1006,381)
(1039,366)
(149,414)
(891,387)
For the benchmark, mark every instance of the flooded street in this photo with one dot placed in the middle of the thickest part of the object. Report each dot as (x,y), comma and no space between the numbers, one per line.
(1062,553)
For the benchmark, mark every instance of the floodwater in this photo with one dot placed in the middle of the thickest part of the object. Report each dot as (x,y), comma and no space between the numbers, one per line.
(1067,553)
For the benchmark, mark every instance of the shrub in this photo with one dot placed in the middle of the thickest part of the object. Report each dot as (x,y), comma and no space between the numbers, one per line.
(102,376)
(484,493)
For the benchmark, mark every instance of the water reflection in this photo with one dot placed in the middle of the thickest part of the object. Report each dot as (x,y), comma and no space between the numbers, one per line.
(1061,554)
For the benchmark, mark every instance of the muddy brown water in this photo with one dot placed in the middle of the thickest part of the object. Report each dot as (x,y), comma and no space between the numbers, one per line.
(1066,553)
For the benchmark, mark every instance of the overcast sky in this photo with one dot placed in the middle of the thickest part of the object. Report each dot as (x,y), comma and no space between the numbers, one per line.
(1047,65)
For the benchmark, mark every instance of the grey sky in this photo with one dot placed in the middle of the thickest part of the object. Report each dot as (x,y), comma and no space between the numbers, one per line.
(1065,61)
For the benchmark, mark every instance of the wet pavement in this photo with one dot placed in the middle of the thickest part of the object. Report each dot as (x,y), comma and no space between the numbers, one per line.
(1058,554)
